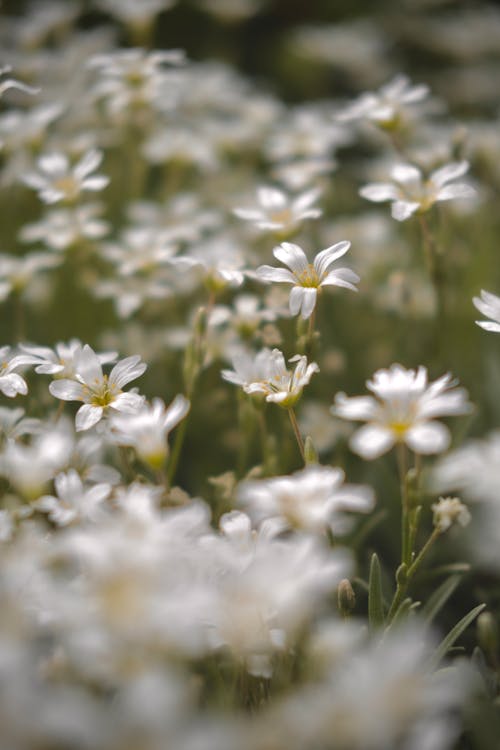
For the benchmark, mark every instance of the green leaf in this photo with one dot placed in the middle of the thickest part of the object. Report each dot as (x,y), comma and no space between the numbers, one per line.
(439,598)
(448,641)
(375,599)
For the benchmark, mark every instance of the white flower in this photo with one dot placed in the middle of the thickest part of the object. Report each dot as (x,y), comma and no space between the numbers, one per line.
(99,392)
(488,304)
(58,180)
(308,278)
(18,273)
(277,212)
(268,375)
(386,107)
(62,359)
(11,383)
(410,193)
(313,499)
(73,502)
(63,228)
(474,469)
(449,510)
(134,12)
(147,430)
(402,412)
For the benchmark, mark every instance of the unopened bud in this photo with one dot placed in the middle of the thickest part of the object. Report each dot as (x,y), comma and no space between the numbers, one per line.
(487,635)
(310,452)
(346,597)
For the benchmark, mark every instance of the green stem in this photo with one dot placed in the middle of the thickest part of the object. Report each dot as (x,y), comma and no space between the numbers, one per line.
(405,503)
(433,266)
(298,436)
(410,573)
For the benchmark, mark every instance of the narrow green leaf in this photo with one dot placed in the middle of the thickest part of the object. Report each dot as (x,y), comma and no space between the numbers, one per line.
(448,641)
(375,599)
(439,598)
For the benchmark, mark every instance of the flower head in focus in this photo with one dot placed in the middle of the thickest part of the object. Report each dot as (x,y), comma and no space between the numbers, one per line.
(99,392)
(308,278)
(411,194)
(403,411)
(273,379)
(488,304)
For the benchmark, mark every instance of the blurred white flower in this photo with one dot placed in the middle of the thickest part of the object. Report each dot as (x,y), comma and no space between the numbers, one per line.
(73,502)
(99,392)
(19,274)
(403,411)
(147,430)
(61,361)
(308,278)
(387,107)
(313,499)
(278,212)
(11,383)
(58,180)
(411,194)
(489,305)
(64,228)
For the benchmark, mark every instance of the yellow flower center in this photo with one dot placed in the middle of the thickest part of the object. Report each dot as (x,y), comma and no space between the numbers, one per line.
(309,277)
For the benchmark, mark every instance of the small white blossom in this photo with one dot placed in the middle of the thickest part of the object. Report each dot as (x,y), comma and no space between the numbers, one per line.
(411,194)
(99,392)
(63,228)
(313,499)
(449,510)
(489,305)
(308,278)
(403,411)
(278,212)
(58,180)
(387,107)
(147,430)
(72,502)
(272,378)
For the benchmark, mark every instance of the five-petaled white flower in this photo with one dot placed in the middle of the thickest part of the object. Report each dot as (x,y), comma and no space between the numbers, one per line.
(488,304)
(99,392)
(58,180)
(273,379)
(402,412)
(386,107)
(308,278)
(278,212)
(410,193)
(73,501)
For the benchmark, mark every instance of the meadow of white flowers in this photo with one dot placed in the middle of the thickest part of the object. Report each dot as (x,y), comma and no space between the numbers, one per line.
(249,429)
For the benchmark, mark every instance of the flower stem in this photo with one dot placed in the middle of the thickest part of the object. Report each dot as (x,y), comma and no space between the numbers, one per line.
(433,266)
(405,504)
(403,584)
(298,436)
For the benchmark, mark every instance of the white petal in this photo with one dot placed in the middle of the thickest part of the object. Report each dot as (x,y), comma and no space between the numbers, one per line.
(292,256)
(87,366)
(67,390)
(449,172)
(326,257)
(378,192)
(271,198)
(358,407)
(406,174)
(88,163)
(296,295)
(128,402)
(12,384)
(460,190)
(87,416)
(430,437)
(343,277)
(308,302)
(176,411)
(494,327)
(128,369)
(269,273)
(401,210)
(371,441)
